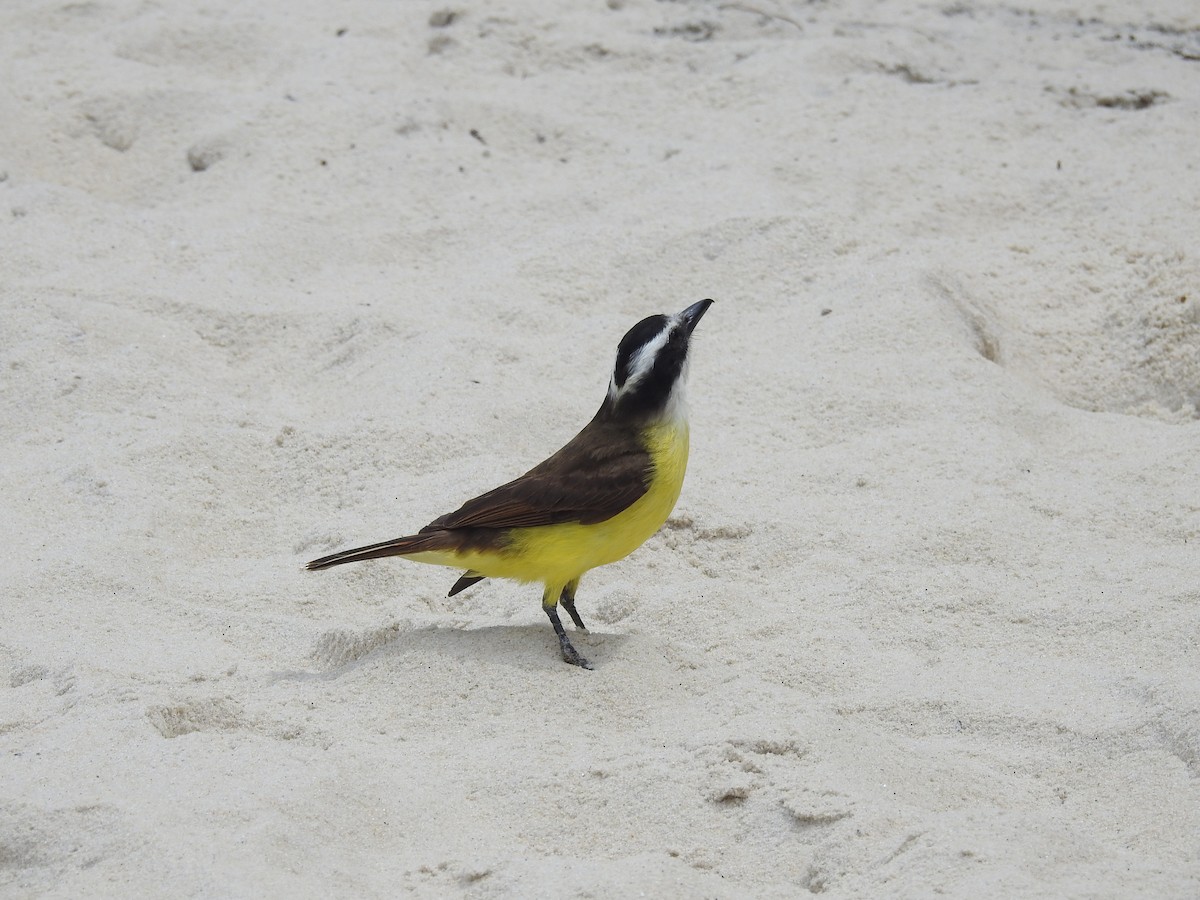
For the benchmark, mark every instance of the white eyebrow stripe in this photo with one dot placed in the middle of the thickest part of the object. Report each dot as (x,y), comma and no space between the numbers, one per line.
(642,361)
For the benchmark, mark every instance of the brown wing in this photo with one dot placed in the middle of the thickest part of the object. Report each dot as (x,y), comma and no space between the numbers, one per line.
(601,471)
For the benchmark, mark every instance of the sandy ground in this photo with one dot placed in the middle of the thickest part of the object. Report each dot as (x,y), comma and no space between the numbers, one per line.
(284,277)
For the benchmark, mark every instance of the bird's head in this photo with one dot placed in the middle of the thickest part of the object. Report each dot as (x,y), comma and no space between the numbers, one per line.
(651,367)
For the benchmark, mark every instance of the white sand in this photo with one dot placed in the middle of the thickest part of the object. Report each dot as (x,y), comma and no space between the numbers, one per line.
(926,617)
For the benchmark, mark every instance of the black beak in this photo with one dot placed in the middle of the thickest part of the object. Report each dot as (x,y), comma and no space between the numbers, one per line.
(692,314)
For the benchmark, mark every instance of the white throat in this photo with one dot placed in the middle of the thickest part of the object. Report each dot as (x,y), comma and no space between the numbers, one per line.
(676,409)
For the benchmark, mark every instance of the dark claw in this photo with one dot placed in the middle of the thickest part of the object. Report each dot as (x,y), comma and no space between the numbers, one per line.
(571,655)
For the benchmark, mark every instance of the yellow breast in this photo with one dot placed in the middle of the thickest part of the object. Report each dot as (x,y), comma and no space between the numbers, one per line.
(558,554)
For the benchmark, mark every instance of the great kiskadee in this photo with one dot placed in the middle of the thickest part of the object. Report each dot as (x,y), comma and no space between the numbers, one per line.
(593,502)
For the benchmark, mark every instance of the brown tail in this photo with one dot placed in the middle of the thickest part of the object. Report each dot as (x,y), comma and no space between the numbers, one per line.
(397,547)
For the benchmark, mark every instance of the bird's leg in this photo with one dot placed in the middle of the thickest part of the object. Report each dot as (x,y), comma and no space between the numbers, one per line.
(568,601)
(569,653)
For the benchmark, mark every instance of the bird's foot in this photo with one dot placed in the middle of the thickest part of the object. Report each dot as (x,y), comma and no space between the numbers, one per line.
(571,655)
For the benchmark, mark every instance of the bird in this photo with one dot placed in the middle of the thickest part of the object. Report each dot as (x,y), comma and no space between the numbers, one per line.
(593,502)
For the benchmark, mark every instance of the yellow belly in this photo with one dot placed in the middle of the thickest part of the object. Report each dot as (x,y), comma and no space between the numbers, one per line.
(558,554)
